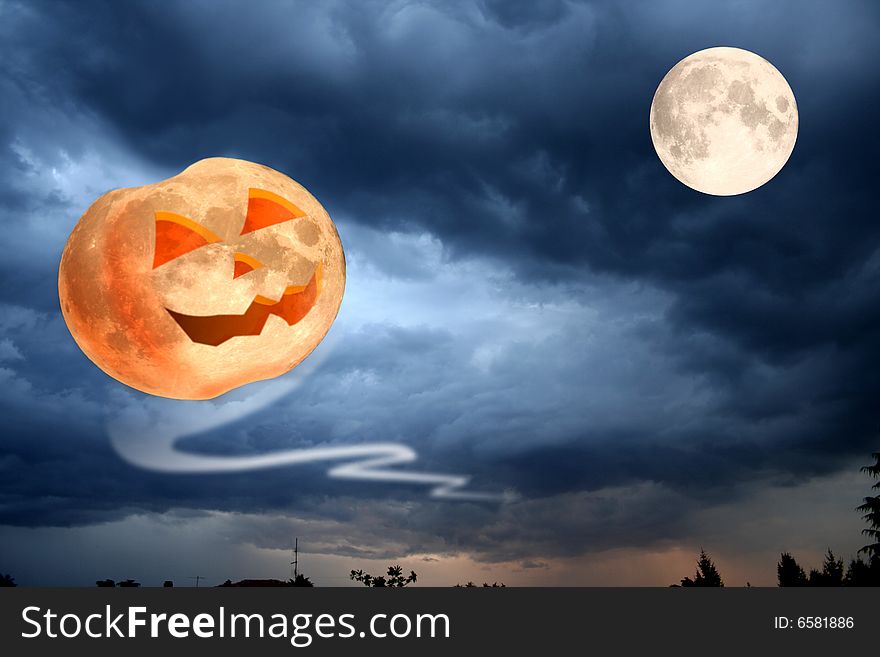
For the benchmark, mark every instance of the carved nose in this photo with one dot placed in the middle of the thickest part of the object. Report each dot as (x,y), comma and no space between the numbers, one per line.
(245,264)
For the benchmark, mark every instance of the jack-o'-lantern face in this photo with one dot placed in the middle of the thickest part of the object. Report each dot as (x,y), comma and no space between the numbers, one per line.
(228,273)
(282,260)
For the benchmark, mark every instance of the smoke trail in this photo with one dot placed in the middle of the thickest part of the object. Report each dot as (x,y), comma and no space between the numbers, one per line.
(147,436)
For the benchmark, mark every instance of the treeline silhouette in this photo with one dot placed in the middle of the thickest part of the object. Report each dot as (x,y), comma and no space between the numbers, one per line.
(299,581)
(859,572)
(485,585)
(126,583)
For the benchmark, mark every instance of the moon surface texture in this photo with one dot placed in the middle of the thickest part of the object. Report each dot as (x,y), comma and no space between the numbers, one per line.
(227,273)
(724,121)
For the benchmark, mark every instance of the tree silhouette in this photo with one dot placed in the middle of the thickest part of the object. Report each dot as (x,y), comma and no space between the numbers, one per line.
(301,580)
(861,573)
(871,510)
(706,574)
(394,578)
(789,572)
(7,580)
(831,574)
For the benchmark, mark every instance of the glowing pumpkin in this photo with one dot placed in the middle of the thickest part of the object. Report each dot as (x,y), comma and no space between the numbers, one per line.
(227,273)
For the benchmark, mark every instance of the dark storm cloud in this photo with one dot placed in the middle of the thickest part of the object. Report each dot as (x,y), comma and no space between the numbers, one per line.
(714,342)
(451,118)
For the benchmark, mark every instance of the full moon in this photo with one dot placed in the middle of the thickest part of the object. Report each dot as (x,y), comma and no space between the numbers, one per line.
(724,121)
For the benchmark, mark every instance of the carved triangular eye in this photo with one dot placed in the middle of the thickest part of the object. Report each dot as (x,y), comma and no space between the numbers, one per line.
(244,264)
(267,209)
(176,235)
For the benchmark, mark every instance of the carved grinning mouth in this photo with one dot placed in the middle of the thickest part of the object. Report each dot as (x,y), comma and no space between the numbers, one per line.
(214,330)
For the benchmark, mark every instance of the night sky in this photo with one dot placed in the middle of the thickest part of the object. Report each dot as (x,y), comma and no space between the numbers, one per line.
(532,299)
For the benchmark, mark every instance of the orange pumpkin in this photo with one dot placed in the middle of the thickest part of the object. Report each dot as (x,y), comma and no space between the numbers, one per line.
(227,273)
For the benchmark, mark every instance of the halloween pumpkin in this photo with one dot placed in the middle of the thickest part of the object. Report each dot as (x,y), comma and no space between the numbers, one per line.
(227,273)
